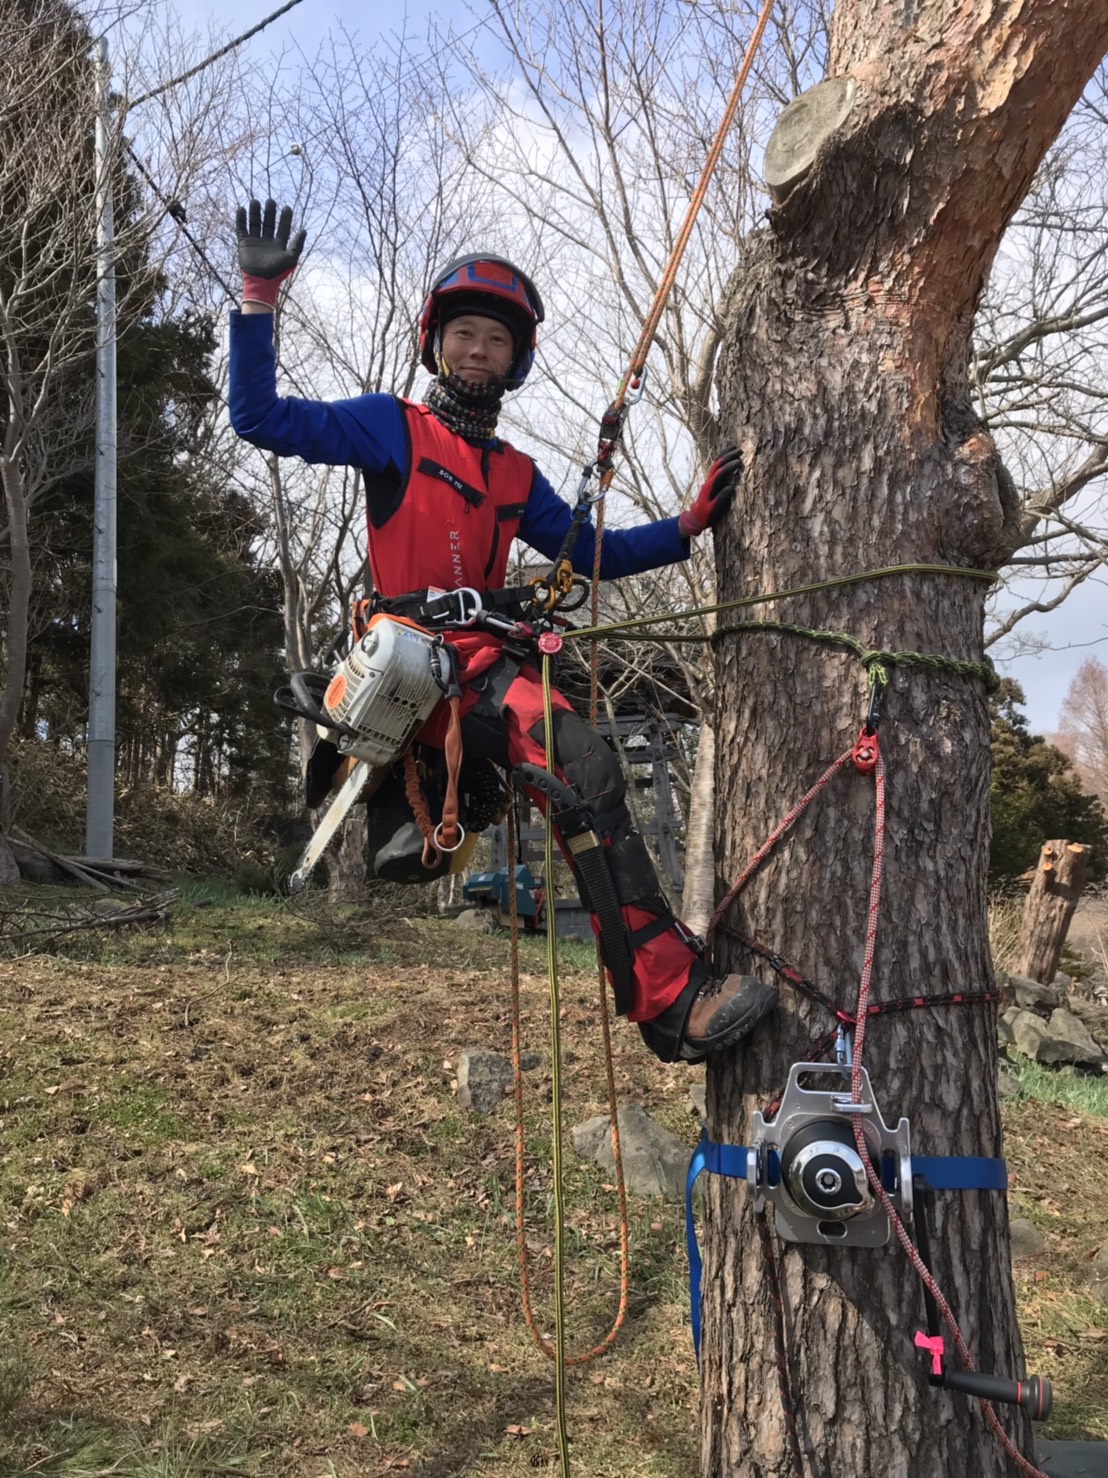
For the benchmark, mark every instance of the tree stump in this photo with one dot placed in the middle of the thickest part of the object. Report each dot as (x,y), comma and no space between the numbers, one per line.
(1055,889)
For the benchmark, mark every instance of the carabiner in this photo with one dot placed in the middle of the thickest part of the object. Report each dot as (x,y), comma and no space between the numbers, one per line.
(637,381)
(873,716)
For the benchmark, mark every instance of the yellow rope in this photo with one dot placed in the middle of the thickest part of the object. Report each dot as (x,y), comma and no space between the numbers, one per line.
(638,360)
(555,1091)
(636,622)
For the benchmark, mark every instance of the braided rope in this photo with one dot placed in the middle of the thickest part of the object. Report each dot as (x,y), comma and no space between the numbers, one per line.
(632,376)
(634,623)
(780,1342)
(541,1340)
(861,1016)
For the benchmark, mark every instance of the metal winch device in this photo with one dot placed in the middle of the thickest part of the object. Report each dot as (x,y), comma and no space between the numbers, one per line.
(805,1162)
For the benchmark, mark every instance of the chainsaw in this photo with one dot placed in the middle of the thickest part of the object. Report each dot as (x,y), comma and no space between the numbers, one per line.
(369,710)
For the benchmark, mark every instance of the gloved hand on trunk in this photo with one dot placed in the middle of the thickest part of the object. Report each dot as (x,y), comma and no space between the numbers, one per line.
(714,497)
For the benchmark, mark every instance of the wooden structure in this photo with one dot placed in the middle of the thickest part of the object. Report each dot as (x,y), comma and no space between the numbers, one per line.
(644,740)
(1055,888)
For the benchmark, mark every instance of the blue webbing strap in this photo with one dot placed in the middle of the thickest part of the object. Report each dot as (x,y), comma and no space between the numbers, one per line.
(940,1172)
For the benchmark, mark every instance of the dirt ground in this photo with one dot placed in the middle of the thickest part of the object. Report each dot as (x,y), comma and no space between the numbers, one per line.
(246,1228)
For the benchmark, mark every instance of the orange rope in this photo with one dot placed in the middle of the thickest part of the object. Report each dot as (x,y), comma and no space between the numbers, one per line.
(448,828)
(453,751)
(638,360)
(669,274)
(418,802)
(544,1343)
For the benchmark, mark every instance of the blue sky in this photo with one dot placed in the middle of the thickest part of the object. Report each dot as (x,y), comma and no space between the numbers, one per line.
(308,23)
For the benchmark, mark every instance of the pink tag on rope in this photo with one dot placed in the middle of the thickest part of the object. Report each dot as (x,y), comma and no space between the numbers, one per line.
(550,643)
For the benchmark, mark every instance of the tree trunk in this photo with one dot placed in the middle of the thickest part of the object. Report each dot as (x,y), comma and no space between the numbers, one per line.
(345,862)
(19,591)
(844,377)
(1055,890)
(700,867)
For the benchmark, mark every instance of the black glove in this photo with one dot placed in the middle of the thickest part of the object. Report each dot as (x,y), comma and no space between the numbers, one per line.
(714,497)
(266,256)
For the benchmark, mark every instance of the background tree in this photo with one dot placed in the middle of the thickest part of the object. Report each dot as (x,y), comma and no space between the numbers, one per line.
(846,367)
(48,220)
(1083,733)
(1035,793)
(1037,371)
(588,122)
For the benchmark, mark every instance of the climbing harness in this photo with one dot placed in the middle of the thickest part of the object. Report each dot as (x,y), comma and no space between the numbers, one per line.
(827,1163)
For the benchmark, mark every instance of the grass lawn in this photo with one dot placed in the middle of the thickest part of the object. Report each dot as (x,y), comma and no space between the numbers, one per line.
(246,1229)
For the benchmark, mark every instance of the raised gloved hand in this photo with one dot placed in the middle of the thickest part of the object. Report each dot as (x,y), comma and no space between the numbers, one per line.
(266,255)
(714,498)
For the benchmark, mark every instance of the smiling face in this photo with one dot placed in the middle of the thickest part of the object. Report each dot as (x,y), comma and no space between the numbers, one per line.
(477,348)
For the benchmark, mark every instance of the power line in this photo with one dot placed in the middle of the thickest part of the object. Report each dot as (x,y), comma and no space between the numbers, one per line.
(215,56)
(173,207)
(176,211)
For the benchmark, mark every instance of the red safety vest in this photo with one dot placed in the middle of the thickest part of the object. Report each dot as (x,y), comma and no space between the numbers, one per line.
(458,515)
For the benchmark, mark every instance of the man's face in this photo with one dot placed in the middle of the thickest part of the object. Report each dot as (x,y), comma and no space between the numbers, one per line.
(477,348)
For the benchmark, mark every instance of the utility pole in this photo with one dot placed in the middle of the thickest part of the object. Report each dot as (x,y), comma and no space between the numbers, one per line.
(100,811)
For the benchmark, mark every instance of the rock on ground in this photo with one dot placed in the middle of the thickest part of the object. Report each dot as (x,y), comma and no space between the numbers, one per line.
(1098,1275)
(655,1161)
(480,920)
(1031,995)
(1027,1240)
(483,1078)
(1066,1027)
(1063,1039)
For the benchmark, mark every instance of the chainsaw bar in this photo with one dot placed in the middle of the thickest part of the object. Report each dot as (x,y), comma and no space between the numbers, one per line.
(332,819)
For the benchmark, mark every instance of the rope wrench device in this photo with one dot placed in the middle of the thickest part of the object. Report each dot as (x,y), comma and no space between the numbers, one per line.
(805,1161)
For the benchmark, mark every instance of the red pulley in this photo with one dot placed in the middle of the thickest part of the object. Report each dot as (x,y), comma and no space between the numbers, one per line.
(864,752)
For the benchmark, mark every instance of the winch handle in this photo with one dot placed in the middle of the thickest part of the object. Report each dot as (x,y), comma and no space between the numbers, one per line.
(1033,1394)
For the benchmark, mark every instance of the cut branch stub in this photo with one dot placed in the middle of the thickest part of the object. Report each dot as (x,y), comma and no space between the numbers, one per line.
(801,131)
(1055,890)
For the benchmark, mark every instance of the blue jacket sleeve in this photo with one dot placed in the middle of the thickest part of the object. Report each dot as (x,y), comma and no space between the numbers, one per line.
(623,552)
(366,431)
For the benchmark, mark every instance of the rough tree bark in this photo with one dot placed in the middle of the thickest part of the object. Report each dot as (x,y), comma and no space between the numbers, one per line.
(845,374)
(1057,885)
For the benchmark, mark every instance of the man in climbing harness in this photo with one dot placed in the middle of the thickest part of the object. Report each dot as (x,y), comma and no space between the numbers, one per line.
(445,497)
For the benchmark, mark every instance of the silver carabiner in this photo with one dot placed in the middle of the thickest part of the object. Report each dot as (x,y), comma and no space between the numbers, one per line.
(634,400)
(470,605)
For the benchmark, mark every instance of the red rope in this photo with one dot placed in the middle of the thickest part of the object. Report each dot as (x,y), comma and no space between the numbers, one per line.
(858,1020)
(861,1015)
(775,836)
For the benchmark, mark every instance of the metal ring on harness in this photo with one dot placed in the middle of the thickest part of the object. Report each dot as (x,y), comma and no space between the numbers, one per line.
(437,843)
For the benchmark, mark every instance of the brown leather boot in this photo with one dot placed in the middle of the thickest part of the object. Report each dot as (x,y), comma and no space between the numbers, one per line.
(725,1009)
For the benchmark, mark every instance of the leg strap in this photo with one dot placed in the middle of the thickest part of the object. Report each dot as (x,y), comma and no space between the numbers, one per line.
(590,865)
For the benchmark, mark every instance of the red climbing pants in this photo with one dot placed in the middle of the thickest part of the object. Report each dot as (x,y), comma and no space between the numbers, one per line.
(511,731)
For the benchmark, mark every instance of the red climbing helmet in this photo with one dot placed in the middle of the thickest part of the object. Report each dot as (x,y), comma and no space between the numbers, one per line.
(493,288)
